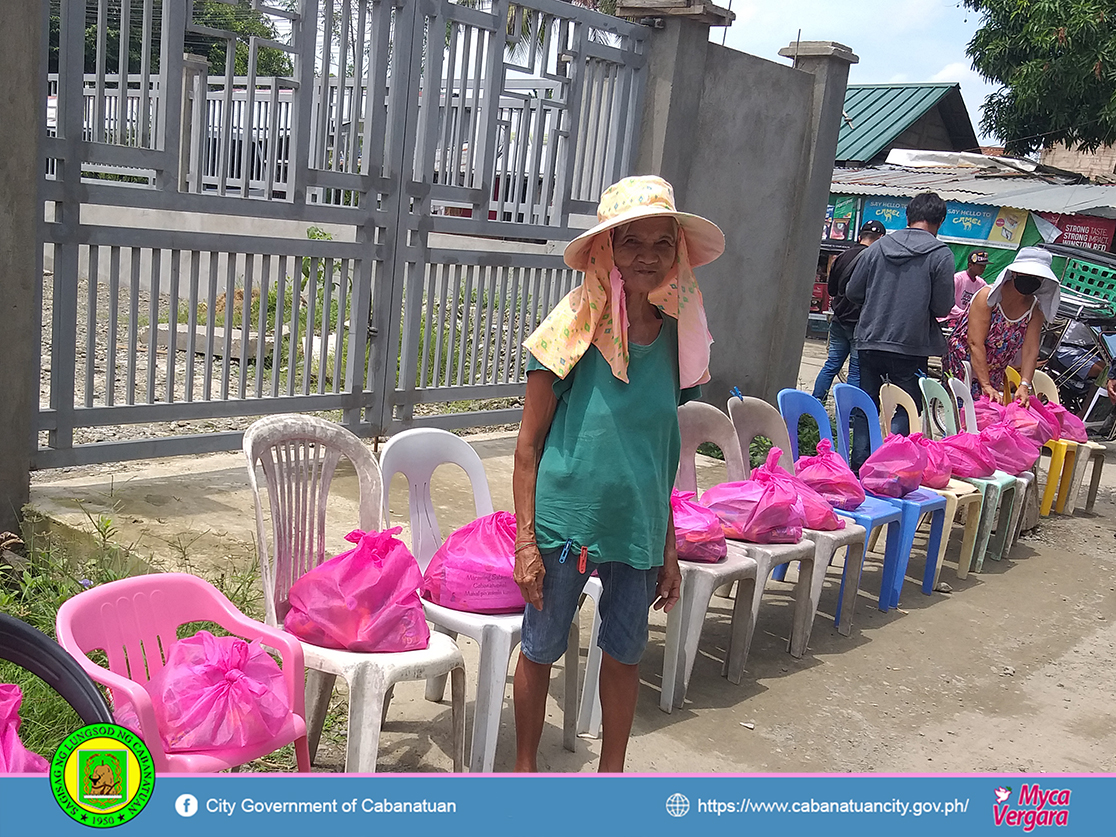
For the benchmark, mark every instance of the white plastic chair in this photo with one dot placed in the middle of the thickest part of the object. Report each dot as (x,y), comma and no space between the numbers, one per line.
(1094,452)
(415,454)
(752,417)
(747,563)
(298,455)
(958,494)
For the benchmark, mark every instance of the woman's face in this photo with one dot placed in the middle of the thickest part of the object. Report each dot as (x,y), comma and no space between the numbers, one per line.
(1025,283)
(644,252)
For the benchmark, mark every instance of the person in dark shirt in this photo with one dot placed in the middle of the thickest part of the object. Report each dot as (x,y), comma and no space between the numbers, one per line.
(845,314)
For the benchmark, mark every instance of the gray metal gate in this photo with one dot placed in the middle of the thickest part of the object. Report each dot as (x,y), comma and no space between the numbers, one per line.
(374,234)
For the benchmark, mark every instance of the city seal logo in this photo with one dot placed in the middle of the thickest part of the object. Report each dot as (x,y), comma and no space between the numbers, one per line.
(102,775)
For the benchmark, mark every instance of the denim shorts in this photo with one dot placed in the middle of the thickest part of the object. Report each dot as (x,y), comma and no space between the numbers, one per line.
(627,596)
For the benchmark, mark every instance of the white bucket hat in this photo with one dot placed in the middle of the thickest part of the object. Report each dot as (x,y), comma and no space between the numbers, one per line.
(1032,261)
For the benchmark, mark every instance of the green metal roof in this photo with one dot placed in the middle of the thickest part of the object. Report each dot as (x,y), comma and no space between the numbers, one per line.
(880,113)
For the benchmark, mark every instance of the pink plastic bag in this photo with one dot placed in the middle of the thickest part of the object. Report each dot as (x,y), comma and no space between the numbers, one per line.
(829,475)
(938,468)
(218,692)
(698,535)
(1046,417)
(1013,451)
(1070,426)
(14,757)
(364,600)
(1038,428)
(472,570)
(757,512)
(968,456)
(816,509)
(895,468)
(987,412)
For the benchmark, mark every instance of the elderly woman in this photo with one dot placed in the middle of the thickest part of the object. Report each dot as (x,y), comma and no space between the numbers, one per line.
(599,446)
(1005,321)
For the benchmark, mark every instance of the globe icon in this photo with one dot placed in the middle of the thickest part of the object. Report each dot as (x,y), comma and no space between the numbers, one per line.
(677,805)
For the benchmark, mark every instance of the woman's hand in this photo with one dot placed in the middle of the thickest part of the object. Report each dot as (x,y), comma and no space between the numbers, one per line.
(992,393)
(670,583)
(529,572)
(1023,394)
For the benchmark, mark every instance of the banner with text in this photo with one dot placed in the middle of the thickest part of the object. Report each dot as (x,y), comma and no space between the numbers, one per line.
(282,805)
(965,223)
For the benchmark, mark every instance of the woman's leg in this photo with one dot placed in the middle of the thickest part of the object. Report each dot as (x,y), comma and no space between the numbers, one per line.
(619,691)
(529,691)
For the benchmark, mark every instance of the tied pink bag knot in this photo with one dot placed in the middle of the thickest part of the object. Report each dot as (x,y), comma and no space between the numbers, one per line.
(757,512)
(829,475)
(14,757)
(365,600)
(1037,426)
(987,412)
(817,512)
(895,468)
(473,570)
(698,535)
(968,456)
(938,467)
(1070,426)
(1012,451)
(218,692)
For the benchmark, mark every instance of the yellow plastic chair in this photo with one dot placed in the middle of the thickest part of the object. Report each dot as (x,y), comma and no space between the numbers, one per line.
(957,494)
(1087,452)
(1063,455)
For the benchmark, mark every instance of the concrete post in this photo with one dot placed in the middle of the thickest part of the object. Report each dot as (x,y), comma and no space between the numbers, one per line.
(22,117)
(829,63)
(672,104)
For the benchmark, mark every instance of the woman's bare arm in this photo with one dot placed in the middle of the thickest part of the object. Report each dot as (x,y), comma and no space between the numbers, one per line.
(1030,354)
(538,413)
(980,318)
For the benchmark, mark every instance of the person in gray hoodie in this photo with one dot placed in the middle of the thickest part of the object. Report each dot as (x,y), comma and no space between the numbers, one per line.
(903,283)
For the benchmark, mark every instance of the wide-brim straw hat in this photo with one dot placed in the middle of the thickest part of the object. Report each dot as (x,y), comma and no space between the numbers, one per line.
(647,196)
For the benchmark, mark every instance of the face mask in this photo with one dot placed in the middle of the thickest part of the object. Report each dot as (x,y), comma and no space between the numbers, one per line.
(1026,284)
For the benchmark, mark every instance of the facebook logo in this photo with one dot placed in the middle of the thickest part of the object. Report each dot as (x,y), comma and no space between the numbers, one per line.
(186,805)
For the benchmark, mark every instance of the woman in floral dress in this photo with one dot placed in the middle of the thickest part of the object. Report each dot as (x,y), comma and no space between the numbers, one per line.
(1004,321)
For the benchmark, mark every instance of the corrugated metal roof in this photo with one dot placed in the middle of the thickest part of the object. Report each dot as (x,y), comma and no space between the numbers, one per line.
(1034,192)
(879,113)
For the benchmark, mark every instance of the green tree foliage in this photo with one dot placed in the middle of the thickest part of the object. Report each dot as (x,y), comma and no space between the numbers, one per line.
(1057,62)
(240,18)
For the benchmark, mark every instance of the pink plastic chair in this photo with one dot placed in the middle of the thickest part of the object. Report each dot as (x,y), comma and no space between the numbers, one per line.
(135,622)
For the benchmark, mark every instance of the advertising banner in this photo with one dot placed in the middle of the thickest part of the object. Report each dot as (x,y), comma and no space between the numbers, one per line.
(1083,230)
(965,223)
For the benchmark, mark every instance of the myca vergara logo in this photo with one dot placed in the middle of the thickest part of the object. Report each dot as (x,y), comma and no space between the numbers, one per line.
(102,775)
(1034,807)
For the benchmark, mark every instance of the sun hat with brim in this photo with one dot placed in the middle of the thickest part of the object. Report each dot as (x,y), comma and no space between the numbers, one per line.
(646,196)
(1032,261)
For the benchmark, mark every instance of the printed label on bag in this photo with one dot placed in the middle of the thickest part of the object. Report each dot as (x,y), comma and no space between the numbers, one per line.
(102,775)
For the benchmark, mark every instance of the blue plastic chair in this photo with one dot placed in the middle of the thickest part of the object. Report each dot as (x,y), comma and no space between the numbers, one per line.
(873,512)
(919,502)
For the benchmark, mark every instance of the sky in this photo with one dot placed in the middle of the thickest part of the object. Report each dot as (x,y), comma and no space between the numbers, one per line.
(902,41)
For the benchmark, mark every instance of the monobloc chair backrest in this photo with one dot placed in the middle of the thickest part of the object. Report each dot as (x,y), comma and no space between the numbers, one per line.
(964,397)
(1044,385)
(415,454)
(849,398)
(968,367)
(939,418)
(754,417)
(699,422)
(299,455)
(894,398)
(1012,380)
(793,405)
(37,653)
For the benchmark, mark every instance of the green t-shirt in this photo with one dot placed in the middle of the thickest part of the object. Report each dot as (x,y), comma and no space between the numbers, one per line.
(610,457)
